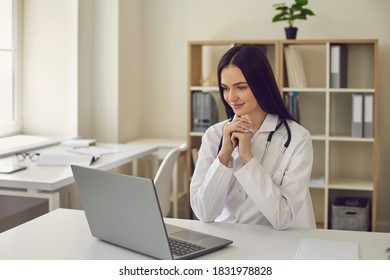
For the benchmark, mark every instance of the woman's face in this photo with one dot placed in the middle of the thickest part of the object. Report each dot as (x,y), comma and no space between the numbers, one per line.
(237,92)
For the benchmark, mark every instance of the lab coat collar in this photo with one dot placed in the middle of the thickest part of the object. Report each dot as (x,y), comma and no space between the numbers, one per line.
(269,123)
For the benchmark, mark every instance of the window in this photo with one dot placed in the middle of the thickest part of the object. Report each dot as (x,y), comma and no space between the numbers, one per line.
(9,67)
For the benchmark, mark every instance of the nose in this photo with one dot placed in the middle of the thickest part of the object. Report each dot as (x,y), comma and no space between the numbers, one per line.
(232,96)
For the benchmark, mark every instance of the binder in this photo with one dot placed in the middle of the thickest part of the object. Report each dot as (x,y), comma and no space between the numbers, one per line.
(295,68)
(338,66)
(357,115)
(368,128)
(204,111)
(298,67)
(290,68)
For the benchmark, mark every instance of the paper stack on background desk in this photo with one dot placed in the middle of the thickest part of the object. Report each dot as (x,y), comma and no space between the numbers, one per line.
(70,158)
(78,156)
(78,143)
(65,159)
(8,168)
(94,151)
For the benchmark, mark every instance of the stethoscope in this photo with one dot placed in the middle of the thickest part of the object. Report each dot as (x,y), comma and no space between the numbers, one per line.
(283,121)
(285,146)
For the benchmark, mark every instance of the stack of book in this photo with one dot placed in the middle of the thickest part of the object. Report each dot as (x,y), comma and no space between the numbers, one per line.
(292,104)
(295,68)
(296,78)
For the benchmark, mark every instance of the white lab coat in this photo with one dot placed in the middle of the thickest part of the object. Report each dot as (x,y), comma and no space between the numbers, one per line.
(247,193)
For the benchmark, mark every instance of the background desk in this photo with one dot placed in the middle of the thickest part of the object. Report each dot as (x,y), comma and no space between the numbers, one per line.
(48,181)
(164,146)
(64,234)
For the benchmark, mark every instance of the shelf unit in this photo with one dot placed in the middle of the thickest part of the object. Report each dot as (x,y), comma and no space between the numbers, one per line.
(343,165)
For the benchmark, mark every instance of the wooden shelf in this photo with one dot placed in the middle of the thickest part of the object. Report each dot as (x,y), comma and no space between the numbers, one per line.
(348,165)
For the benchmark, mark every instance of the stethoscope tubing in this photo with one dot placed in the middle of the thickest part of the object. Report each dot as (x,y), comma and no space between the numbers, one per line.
(281,153)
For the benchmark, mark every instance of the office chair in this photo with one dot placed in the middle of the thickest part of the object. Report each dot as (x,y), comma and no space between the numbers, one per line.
(163,181)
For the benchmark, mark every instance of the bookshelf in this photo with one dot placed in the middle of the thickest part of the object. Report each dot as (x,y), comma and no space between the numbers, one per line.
(344,166)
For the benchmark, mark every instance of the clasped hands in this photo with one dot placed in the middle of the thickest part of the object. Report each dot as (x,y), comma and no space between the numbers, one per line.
(237,133)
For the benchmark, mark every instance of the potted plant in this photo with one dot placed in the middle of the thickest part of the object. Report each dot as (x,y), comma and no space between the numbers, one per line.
(290,13)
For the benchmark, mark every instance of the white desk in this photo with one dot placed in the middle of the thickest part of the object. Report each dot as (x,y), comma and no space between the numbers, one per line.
(48,181)
(20,143)
(64,234)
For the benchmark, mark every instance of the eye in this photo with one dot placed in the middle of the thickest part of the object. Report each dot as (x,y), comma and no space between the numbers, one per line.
(242,87)
(224,88)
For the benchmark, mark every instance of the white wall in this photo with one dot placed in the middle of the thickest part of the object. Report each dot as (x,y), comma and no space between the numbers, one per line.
(49,78)
(85,78)
(130,55)
(105,69)
(169,24)
(110,63)
(82,68)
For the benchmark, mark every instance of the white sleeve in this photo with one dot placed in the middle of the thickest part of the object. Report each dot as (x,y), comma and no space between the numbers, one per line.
(210,180)
(280,204)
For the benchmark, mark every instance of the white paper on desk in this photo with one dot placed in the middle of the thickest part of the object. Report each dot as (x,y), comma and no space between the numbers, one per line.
(94,151)
(65,159)
(321,249)
(78,143)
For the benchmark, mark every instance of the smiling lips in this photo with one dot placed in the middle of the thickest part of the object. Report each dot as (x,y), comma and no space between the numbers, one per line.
(236,106)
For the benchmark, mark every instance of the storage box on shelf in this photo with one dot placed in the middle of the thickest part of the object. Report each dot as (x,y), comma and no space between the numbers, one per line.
(351,214)
(344,165)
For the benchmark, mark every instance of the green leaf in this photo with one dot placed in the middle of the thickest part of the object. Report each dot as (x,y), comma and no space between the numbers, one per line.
(279,4)
(308,12)
(284,8)
(300,16)
(279,17)
(302,2)
(296,7)
(292,12)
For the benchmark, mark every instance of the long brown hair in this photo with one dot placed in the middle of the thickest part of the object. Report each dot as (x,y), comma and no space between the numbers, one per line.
(258,73)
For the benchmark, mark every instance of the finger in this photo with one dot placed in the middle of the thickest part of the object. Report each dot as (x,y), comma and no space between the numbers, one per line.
(243,123)
(234,139)
(245,120)
(244,129)
(235,128)
(241,119)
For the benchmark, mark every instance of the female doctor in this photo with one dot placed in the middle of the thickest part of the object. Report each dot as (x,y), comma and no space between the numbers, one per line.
(255,167)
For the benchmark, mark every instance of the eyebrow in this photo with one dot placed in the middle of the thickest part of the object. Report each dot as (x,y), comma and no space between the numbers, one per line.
(236,84)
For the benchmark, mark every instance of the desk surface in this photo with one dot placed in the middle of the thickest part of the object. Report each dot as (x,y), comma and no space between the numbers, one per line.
(160,142)
(51,178)
(64,234)
(20,143)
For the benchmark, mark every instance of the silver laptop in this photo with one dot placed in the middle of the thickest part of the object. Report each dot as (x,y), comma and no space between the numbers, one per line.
(124,210)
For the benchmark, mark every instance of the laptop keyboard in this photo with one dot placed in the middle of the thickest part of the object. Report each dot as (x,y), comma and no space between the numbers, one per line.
(182,248)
